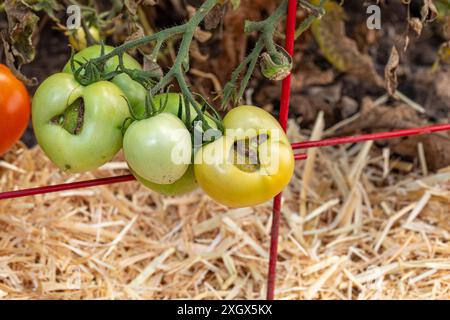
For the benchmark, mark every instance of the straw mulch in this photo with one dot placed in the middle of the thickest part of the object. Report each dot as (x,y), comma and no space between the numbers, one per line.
(357,224)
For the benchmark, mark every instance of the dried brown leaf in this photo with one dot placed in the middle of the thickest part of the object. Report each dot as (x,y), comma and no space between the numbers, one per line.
(22,26)
(390,72)
(416,25)
(214,17)
(9,58)
(428,12)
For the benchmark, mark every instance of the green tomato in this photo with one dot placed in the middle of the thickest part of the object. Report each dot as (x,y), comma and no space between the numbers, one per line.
(186,184)
(78,127)
(134,91)
(158,149)
(172,101)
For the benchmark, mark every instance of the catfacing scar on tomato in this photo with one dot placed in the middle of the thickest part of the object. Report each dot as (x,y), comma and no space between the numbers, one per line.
(79,127)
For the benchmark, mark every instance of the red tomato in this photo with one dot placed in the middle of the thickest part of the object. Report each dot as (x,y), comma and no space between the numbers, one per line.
(14,109)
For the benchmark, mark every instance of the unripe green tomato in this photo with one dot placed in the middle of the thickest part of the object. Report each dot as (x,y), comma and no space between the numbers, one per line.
(133,90)
(158,149)
(172,101)
(78,127)
(186,184)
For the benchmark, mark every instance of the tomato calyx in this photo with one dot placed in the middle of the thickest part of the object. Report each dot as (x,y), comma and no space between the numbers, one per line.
(276,65)
(147,78)
(207,108)
(151,110)
(198,119)
(93,70)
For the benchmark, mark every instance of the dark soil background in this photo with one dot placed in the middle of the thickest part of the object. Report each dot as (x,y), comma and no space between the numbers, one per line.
(317,86)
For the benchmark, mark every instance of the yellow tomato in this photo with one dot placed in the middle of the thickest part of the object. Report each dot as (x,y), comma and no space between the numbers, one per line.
(250,164)
(77,37)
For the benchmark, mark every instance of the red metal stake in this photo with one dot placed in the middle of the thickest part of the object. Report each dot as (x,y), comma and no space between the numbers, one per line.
(296,145)
(284,112)
(64,187)
(372,136)
(80,185)
(301,156)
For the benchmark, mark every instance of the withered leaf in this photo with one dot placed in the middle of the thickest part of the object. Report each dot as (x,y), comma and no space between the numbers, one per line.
(428,12)
(22,25)
(214,17)
(416,25)
(137,34)
(383,117)
(152,67)
(341,51)
(132,5)
(196,53)
(390,72)
(150,2)
(50,7)
(9,58)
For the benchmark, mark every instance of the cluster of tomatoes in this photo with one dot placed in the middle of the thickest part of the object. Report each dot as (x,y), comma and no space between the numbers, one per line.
(81,127)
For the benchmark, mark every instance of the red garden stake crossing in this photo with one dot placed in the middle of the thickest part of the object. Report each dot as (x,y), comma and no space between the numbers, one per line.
(284,111)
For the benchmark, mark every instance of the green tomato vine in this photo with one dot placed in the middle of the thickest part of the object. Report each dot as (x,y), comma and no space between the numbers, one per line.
(276,63)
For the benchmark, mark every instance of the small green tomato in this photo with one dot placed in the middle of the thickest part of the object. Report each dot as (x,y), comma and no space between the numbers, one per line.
(158,149)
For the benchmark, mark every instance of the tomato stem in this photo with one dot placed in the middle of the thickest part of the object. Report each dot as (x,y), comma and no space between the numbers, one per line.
(179,68)
(92,70)
(187,29)
(267,29)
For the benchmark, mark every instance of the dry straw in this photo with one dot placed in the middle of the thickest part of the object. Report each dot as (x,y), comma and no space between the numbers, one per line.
(360,229)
